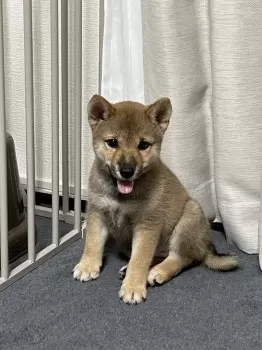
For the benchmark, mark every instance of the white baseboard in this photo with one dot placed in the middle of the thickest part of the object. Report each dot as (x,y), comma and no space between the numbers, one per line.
(46,187)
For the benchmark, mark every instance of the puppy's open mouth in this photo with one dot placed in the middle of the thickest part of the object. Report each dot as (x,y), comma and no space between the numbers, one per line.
(125,186)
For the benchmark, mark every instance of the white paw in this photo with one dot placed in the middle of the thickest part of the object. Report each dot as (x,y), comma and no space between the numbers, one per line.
(122,272)
(156,276)
(86,272)
(132,294)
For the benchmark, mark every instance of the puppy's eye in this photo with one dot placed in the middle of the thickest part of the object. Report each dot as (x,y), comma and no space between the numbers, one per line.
(112,143)
(143,145)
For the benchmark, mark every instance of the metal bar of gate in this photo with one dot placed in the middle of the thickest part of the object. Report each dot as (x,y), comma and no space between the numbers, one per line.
(64,73)
(3,160)
(30,144)
(78,117)
(55,121)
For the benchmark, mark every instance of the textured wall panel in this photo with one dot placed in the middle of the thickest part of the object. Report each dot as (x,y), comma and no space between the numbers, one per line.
(14,42)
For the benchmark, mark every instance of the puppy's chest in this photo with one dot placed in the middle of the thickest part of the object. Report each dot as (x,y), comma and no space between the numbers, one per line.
(117,214)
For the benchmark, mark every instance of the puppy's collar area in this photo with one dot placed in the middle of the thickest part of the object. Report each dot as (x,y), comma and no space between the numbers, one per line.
(125,186)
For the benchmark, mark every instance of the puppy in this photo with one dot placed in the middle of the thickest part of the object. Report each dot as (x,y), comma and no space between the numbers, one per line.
(136,198)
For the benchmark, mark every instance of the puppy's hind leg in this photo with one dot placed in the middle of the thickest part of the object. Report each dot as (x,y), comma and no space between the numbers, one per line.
(188,244)
(167,269)
(122,271)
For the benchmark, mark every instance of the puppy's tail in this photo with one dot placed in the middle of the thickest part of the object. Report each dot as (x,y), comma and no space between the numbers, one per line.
(221,262)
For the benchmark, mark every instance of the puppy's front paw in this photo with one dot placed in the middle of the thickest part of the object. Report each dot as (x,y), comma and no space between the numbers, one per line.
(132,293)
(86,271)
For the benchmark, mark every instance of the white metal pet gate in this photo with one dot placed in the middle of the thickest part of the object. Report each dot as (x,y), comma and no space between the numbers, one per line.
(34,259)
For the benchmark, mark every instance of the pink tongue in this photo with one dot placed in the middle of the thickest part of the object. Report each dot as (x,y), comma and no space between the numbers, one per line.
(125,187)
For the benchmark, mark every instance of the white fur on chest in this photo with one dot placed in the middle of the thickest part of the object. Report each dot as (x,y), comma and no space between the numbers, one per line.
(117,212)
(107,203)
(112,209)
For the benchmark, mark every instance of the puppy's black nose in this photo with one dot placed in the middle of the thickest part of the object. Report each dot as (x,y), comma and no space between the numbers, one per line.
(127,171)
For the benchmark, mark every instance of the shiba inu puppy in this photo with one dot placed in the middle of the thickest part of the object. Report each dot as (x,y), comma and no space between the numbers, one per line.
(136,198)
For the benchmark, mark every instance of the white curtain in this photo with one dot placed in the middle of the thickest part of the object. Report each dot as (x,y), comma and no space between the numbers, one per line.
(122,61)
(207,57)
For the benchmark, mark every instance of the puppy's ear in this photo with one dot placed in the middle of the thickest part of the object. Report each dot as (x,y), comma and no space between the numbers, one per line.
(98,109)
(160,112)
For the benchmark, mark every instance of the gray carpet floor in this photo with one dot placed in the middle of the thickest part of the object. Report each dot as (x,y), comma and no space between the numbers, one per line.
(199,309)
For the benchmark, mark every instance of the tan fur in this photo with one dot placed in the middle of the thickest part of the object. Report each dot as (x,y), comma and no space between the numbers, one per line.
(158,214)
(91,261)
